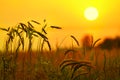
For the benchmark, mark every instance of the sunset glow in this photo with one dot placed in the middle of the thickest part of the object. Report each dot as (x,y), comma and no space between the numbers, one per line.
(68,14)
(60,40)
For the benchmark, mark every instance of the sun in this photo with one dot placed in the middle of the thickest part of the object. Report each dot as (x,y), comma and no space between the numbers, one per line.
(91,13)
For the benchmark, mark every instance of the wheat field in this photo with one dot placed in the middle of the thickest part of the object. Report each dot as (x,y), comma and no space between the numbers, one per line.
(21,62)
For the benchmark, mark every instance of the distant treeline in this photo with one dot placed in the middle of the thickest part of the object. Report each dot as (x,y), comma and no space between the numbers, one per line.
(110,43)
(107,43)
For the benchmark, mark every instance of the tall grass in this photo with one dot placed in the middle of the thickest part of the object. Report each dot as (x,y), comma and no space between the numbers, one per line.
(17,41)
(20,62)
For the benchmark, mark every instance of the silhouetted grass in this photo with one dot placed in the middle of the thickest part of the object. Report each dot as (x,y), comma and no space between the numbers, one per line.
(19,63)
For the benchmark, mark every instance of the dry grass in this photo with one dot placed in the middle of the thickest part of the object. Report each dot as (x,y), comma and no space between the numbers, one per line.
(76,63)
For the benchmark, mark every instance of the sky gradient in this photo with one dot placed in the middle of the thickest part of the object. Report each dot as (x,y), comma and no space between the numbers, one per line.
(68,14)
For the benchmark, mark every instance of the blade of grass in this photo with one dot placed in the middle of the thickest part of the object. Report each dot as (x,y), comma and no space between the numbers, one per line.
(95,42)
(56,27)
(49,45)
(35,22)
(40,34)
(44,30)
(4,29)
(30,25)
(70,50)
(75,39)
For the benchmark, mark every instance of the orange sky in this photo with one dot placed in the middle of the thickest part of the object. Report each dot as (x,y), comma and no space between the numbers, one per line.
(68,14)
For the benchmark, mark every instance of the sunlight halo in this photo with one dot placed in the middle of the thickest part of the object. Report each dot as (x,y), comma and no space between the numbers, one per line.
(91,13)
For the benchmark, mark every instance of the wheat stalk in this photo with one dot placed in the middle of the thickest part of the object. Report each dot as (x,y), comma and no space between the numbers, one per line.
(75,39)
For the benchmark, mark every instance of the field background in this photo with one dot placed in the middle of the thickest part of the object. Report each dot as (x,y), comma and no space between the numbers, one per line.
(94,60)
